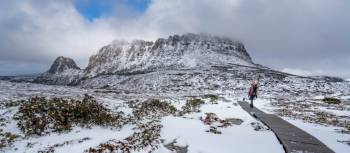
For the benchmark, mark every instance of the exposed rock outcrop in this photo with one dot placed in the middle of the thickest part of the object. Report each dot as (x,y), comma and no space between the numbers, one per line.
(174,53)
(61,64)
(63,71)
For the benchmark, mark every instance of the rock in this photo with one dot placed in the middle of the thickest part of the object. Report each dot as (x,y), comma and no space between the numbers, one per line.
(176,52)
(61,64)
(63,71)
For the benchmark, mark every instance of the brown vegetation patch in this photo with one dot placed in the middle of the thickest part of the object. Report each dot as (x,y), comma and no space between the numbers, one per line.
(216,123)
(39,115)
(148,136)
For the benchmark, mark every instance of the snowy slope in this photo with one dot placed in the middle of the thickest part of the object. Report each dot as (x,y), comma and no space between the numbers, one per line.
(221,78)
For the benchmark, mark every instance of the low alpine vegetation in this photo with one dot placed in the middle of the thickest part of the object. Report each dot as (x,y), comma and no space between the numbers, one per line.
(213,98)
(215,122)
(192,105)
(40,116)
(7,138)
(153,108)
(331,100)
(8,104)
(147,136)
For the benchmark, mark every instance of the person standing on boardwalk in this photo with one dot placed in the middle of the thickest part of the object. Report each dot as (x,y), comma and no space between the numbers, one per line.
(253,92)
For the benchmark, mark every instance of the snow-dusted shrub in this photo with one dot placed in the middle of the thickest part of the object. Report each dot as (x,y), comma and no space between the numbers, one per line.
(174,147)
(215,122)
(192,105)
(7,138)
(39,115)
(8,104)
(153,108)
(331,100)
(258,126)
(213,98)
(347,127)
(147,137)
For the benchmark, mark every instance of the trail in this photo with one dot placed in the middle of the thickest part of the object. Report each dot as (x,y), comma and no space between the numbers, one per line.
(292,138)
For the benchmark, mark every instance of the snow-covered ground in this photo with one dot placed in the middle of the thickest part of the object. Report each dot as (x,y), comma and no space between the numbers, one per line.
(188,131)
(335,137)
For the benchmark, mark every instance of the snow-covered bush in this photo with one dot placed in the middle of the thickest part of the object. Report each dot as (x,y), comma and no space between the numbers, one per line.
(215,122)
(7,138)
(153,108)
(192,105)
(213,98)
(147,136)
(39,115)
(331,100)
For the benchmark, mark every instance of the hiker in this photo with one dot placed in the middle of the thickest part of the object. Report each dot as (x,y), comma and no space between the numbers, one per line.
(253,92)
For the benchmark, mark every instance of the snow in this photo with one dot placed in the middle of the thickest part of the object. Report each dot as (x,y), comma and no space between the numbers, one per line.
(188,130)
(175,71)
(335,112)
(96,135)
(239,138)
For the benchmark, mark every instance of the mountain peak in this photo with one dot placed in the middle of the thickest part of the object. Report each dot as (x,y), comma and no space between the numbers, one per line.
(175,52)
(61,64)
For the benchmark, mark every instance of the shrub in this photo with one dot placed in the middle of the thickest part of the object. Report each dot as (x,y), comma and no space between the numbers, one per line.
(347,127)
(7,138)
(192,105)
(39,115)
(215,122)
(331,100)
(212,97)
(147,135)
(153,108)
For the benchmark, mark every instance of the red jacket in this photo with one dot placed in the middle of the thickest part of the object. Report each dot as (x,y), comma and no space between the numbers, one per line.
(253,90)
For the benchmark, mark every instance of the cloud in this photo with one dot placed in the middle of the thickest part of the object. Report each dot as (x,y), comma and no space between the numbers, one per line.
(298,34)
(30,33)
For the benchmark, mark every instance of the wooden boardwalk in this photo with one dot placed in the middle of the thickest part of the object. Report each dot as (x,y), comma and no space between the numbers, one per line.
(293,139)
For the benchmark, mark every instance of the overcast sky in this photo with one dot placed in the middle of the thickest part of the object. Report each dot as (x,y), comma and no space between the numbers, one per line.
(309,37)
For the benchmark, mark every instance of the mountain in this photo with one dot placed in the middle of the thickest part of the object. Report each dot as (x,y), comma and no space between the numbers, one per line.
(62,64)
(191,63)
(63,71)
(174,53)
(181,63)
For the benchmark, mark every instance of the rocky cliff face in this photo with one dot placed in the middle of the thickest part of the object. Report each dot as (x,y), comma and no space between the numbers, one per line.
(174,53)
(61,64)
(63,71)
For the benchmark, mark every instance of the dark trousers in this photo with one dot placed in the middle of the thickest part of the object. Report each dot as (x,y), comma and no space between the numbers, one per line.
(251,98)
